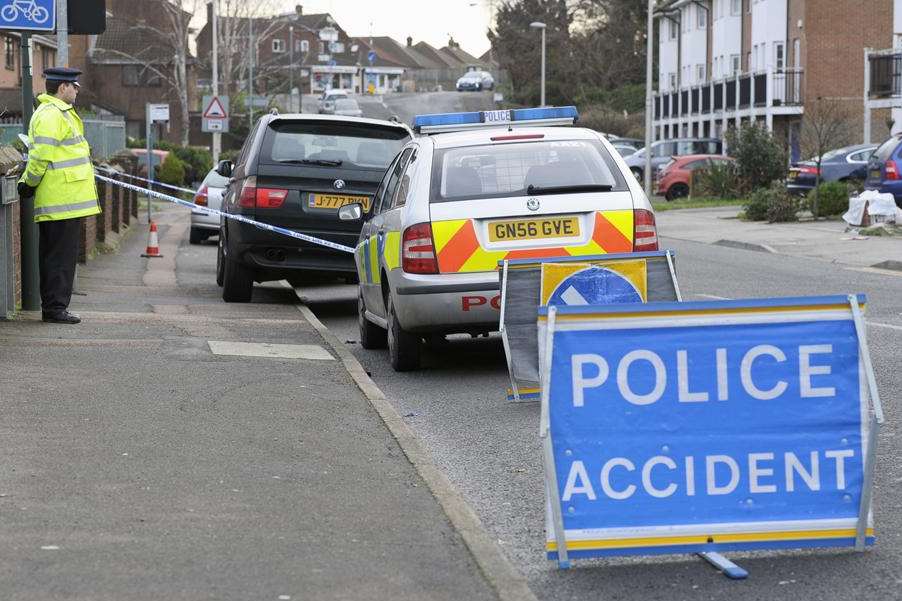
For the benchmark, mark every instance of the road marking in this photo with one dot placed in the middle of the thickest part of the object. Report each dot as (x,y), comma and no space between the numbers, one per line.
(265,349)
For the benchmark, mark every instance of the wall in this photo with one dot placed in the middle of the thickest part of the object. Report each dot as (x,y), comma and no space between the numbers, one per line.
(668,54)
(768,30)
(726,37)
(694,42)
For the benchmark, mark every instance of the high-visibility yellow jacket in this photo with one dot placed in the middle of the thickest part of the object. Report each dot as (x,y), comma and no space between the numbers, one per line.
(59,163)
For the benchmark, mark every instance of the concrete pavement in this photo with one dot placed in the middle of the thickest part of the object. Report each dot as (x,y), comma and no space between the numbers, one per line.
(822,240)
(141,464)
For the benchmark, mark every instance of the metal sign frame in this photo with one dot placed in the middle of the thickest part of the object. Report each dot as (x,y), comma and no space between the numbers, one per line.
(872,416)
(518,394)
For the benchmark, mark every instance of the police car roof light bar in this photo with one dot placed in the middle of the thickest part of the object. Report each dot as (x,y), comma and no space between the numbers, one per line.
(509,118)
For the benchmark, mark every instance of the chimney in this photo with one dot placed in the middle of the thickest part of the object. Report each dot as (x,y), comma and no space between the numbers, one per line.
(299,9)
(409,41)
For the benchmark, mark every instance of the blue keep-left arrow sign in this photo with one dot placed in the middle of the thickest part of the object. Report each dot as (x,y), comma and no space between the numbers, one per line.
(36,15)
(595,286)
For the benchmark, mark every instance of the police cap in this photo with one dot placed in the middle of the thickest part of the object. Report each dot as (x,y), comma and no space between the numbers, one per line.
(62,74)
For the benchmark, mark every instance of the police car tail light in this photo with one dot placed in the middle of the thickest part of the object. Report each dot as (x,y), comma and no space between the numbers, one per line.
(645,235)
(200,198)
(417,250)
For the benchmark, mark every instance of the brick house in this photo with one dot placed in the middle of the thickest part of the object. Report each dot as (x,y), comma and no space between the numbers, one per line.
(43,55)
(127,66)
(727,62)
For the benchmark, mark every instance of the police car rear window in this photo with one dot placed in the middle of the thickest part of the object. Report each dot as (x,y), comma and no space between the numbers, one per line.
(502,170)
(326,143)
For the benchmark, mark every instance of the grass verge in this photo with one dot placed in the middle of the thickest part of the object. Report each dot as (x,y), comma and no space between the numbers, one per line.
(695,203)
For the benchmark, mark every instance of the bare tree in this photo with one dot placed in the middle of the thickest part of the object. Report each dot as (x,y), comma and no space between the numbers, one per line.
(827,124)
(234,36)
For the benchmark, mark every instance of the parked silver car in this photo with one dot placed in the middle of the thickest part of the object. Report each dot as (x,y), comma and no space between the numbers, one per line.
(476,80)
(325,104)
(209,195)
(347,107)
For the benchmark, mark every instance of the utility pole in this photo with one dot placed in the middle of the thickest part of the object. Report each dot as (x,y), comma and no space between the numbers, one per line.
(540,25)
(649,51)
(250,78)
(62,33)
(31,297)
(217,137)
(291,68)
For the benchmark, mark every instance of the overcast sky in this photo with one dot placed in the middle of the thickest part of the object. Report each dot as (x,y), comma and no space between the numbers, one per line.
(429,20)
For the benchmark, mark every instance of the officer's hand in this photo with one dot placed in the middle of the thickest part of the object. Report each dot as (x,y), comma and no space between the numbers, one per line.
(25,191)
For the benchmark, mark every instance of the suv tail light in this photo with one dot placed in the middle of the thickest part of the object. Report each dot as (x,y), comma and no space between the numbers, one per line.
(417,250)
(645,235)
(260,198)
(200,199)
(892,170)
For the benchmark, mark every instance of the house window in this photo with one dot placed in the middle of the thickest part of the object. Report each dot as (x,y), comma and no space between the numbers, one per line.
(322,47)
(779,56)
(699,73)
(10,54)
(701,16)
(735,7)
(278,45)
(674,29)
(131,77)
(303,46)
(734,64)
(336,47)
(673,81)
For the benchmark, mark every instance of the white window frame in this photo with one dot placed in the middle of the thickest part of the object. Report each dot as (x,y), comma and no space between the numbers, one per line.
(701,17)
(700,73)
(735,7)
(673,81)
(278,45)
(779,56)
(674,29)
(735,64)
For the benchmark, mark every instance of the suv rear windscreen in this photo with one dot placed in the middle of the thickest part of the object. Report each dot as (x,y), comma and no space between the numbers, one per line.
(348,145)
(496,171)
(886,149)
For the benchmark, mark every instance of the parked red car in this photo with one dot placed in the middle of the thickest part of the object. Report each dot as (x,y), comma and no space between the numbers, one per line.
(674,177)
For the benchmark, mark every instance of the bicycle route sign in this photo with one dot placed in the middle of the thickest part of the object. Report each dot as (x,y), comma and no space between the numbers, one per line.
(28,15)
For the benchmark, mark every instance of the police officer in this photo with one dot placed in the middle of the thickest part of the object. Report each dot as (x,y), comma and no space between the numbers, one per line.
(60,177)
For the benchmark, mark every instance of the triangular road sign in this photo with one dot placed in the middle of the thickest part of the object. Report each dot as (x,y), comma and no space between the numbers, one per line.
(215,110)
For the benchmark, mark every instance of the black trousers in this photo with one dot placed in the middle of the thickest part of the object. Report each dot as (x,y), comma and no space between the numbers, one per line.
(57,254)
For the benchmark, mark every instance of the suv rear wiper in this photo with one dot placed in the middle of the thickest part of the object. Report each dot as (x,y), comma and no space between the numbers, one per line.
(531,189)
(320,162)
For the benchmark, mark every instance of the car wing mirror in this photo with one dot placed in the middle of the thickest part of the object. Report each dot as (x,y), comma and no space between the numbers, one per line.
(224,168)
(351,212)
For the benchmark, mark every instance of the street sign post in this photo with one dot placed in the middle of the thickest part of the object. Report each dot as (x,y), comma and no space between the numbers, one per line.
(154,113)
(215,117)
(703,427)
(28,15)
(371,56)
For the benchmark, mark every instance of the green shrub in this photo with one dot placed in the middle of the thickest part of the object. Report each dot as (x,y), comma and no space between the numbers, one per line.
(781,205)
(198,162)
(833,199)
(172,171)
(720,180)
(760,159)
(756,207)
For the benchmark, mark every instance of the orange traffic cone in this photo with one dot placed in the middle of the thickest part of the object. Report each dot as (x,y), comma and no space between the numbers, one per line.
(153,244)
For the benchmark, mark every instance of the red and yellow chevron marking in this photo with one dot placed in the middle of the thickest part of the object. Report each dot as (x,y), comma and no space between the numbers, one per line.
(459,251)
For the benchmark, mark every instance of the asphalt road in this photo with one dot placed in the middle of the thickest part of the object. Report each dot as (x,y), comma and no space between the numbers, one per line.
(490,449)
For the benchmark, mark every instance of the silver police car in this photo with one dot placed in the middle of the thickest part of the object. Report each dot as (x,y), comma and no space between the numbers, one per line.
(472,190)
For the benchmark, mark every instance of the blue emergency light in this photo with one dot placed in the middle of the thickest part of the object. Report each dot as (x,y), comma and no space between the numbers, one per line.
(533,117)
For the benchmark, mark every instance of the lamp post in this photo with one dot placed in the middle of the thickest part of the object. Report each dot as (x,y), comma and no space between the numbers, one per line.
(539,25)
(291,68)
(649,50)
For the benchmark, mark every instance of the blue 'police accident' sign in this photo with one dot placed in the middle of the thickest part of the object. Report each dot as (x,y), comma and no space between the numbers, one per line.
(689,427)
(37,15)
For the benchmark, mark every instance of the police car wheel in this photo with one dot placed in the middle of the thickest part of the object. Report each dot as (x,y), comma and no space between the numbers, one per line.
(403,347)
(237,282)
(371,335)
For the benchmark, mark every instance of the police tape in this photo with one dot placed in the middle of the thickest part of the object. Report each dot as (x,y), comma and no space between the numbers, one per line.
(263,226)
(155,183)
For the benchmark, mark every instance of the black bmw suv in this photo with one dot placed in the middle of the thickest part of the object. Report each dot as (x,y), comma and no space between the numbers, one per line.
(295,171)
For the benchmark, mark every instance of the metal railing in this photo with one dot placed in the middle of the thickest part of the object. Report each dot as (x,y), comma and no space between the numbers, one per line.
(886,75)
(106,137)
(732,93)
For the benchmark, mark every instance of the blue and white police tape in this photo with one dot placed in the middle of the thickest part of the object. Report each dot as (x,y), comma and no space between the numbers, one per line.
(264,226)
(144,179)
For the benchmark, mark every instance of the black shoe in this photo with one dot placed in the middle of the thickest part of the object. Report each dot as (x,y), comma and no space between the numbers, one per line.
(61,317)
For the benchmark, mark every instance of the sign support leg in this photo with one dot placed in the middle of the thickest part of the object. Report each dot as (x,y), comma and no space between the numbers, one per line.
(673,278)
(507,349)
(727,567)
